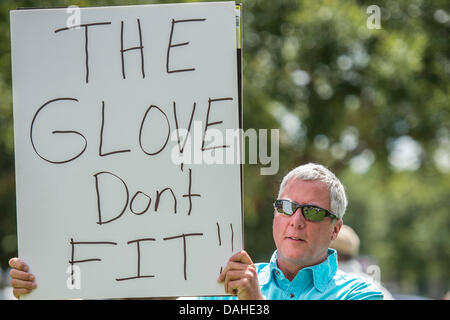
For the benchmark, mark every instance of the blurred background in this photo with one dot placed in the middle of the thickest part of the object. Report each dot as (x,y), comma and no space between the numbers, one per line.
(372,104)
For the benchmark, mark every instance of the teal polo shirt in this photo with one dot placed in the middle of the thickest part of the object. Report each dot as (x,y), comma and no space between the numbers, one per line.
(319,282)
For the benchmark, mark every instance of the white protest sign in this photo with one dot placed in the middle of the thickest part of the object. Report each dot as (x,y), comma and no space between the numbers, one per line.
(112,201)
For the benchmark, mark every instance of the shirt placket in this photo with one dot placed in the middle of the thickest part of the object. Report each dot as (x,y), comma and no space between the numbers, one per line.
(296,289)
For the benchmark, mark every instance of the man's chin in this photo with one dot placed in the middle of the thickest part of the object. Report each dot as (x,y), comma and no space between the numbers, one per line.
(295,257)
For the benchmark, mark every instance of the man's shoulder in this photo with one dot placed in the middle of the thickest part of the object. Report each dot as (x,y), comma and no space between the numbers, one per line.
(351,286)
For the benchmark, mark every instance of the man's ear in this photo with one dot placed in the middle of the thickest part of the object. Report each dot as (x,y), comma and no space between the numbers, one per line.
(336,228)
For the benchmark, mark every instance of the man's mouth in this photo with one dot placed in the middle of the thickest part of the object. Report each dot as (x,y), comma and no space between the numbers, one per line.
(295,238)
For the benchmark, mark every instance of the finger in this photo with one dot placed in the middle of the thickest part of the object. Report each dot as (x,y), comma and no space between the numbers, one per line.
(241,256)
(235,274)
(232,276)
(17,263)
(235,286)
(20,284)
(20,291)
(21,275)
(231,265)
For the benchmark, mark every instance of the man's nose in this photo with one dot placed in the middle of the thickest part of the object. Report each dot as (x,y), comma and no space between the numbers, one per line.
(297,219)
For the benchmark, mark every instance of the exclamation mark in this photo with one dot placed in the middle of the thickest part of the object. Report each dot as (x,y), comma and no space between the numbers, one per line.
(232,237)
(218,233)
(220,243)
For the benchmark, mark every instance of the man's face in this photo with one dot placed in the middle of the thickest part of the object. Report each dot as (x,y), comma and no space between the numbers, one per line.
(301,243)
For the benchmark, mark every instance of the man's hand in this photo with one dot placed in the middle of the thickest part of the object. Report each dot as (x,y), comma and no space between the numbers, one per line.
(21,281)
(240,277)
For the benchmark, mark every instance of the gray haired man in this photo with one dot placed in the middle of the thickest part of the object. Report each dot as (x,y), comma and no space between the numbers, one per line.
(307,217)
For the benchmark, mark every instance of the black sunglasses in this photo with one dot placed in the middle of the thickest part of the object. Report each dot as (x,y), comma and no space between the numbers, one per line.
(309,211)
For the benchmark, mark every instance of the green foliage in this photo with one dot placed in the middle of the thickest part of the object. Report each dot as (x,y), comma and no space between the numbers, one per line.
(343,95)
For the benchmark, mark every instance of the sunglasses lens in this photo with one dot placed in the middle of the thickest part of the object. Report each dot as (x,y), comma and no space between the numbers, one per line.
(279,206)
(288,207)
(314,214)
(284,206)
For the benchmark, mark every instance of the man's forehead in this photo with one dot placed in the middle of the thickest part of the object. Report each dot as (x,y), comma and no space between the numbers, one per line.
(306,192)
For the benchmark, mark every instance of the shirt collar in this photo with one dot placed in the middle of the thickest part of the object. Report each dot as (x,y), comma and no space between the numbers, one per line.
(321,273)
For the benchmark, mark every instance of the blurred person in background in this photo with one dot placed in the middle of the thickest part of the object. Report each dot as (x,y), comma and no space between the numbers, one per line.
(347,246)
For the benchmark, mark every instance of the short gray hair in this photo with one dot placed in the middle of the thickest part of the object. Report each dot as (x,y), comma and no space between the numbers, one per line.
(317,172)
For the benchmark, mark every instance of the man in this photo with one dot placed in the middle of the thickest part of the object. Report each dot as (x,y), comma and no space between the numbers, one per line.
(307,217)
